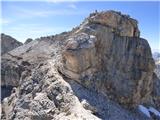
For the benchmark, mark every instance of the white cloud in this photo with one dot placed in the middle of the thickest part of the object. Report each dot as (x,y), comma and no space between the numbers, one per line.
(4,21)
(73,6)
(58,1)
(24,13)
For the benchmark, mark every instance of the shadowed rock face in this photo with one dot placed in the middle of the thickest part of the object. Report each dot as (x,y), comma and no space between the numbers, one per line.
(8,43)
(5,91)
(98,61)
(11,72)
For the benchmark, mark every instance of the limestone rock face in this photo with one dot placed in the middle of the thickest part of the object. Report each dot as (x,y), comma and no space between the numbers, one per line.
(11,72)
(8,43)
(121,24)
(11,69)
(116,64)
(79,55)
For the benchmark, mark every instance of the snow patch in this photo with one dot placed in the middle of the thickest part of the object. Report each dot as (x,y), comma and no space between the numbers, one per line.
(144,110)
(153,110)
(148,111)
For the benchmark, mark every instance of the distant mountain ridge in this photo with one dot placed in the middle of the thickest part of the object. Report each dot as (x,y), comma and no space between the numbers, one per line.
(156,56)
(8,43)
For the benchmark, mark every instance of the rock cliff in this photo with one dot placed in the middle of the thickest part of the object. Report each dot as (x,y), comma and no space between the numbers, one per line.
(8,43)
(101,69)
(112,62)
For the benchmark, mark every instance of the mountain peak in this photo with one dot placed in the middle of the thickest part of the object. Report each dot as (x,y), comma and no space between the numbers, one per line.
(121,24)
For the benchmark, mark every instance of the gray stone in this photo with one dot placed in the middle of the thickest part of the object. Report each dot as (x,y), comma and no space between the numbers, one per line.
(8,43)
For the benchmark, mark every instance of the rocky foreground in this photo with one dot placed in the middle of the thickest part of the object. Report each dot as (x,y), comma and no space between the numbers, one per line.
(101,69)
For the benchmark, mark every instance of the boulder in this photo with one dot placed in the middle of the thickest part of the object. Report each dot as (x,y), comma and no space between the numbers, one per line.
(79,55)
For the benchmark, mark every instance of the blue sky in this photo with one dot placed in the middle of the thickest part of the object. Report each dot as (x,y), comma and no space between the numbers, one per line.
(24,20)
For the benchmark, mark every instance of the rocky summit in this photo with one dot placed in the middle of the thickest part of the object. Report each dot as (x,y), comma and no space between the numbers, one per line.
(102,69)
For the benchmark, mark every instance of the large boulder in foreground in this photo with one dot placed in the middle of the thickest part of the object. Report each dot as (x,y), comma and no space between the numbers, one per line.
(8,43)
(119,64)
(79,55)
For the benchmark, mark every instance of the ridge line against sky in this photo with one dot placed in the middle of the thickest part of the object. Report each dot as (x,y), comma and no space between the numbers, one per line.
(35,19)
